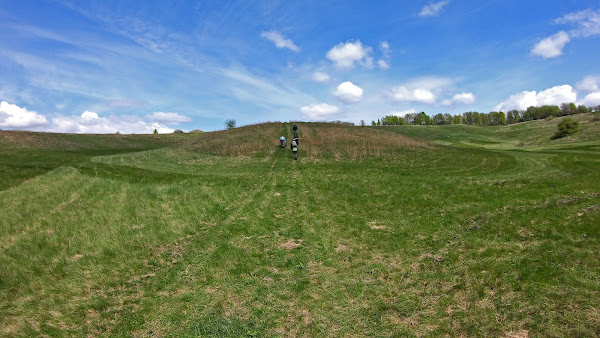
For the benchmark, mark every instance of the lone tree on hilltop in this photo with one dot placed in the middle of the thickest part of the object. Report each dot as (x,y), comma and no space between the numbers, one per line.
(230,123)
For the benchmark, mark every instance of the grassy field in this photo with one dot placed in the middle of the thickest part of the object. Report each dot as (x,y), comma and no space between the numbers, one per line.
(389,231)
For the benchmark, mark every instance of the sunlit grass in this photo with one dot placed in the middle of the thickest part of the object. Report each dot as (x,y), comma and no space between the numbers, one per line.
(230,240)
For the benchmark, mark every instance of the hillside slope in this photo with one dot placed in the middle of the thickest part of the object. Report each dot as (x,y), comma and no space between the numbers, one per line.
(317,140)
(524,136)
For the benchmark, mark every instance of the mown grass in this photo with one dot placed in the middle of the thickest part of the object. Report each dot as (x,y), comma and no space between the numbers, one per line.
(423,239)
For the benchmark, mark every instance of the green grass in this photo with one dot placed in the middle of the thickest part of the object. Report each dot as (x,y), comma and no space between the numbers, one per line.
(367,234)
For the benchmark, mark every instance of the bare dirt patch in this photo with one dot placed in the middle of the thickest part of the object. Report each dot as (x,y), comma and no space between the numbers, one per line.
(518,334)
(341,248)
(291,244)
(373,225)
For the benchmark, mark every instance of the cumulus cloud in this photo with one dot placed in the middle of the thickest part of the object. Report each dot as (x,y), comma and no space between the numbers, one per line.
(169,118)
(590,83)
(91,122)
(320,77)
(422,90)
(592,99)
(345,55)
(403,113)
(15,117)
(319,111)
(348,92)
(280,41)
(433,9)
(551,96)
(462,98)
(585,23)
(404,94)
(551,46)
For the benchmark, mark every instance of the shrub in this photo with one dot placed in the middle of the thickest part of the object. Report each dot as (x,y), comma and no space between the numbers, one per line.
(230,123)
(566,127)
(178,131)
(196,131)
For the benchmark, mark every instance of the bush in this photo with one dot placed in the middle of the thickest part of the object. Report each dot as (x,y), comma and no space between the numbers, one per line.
(196,131)
(566,127)
(230,123)
(178,131)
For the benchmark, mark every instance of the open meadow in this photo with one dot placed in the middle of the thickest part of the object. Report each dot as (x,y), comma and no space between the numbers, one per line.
(375,231)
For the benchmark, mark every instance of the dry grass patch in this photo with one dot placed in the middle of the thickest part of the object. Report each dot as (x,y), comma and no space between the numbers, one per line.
(291,244)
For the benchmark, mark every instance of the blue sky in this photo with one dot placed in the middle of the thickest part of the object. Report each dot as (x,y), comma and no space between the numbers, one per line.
(136,66)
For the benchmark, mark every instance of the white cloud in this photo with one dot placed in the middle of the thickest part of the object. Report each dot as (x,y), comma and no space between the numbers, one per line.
(90,122)
(592,99)
(88,116)
(403,112)
(404,94)
(551,46)
(13,116)
(551,96)
(463,98)
(586,22)
(345,55)
(590,83)
(169,118)
(383,64)
(319,111)
(348,92)
(385,47)
(280,41)
(320,77)
(433,9)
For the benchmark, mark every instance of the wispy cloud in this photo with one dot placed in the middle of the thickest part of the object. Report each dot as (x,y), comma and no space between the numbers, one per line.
(585,24)
(433,9)
(280,41)
(320,112)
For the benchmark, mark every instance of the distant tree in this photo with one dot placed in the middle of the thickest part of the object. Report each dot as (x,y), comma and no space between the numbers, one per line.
(362,123)
(566,127)
(378,122)
(458,119)
(448,119)
(230,123)
(155,132)
(438,119)
(392,120)
(177,131)
(568,109)
(422,119)
(373,123)
(581,109)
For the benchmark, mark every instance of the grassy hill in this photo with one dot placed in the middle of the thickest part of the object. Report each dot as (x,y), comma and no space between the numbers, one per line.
(405,231)
(531,135)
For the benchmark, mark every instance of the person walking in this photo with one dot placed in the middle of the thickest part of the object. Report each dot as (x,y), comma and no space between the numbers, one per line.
(282,141)
(294,147)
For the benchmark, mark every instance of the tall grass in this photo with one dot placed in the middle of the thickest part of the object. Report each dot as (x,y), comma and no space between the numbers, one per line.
(208,238)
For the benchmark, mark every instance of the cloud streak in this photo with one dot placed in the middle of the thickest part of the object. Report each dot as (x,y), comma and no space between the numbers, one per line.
(585,24)
(280,41)
(433,9)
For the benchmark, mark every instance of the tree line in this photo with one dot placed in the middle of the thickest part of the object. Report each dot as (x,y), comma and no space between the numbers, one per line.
(493,118)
